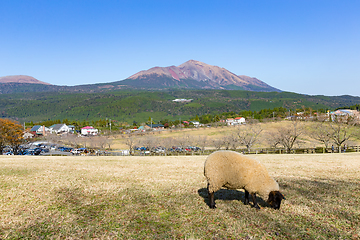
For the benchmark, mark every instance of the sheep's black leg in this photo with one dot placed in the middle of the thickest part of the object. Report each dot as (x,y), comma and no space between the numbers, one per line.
(246,202)
(254,201)
(212,200)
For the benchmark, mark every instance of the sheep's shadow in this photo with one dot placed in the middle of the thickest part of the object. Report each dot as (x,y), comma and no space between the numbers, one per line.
(228,195)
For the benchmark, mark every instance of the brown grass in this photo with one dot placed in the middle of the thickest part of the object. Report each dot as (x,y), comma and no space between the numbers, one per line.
(165,197)
(219,132)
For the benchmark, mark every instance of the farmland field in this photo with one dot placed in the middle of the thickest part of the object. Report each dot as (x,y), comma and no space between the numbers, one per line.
(165,198)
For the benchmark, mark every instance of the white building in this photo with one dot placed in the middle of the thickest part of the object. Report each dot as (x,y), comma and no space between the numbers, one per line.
(235,121)
(182,100)
(89,130)
(59,128)
(195,123)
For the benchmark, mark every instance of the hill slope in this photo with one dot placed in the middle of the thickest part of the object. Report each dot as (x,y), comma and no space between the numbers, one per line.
(21,79)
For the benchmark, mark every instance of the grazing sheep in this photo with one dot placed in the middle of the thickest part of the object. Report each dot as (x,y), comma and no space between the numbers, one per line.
(233,170)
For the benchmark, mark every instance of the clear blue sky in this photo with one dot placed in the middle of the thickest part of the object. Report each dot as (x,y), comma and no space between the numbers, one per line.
(303,46)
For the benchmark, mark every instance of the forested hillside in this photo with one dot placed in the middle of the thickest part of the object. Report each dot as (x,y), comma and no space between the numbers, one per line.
(129,106)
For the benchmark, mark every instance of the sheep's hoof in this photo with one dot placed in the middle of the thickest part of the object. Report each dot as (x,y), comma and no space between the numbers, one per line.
(257,207)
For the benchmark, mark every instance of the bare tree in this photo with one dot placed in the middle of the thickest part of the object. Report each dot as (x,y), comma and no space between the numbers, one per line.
(202,141)
(272,139)
(218,143)
(92,142)
(248,135)
(234,141)
(130,142)
(109,141)
(167,143)
(287,136)
(75,140)
(87,141)
(103,141)
(340,131)
(185,141)
(226,142)
(321,133)
(149,142)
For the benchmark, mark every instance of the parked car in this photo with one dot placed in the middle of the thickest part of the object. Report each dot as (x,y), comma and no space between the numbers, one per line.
(78,151)
(37,151)
(195,149)
(32,152)
(159,150)
(66,149)
(141,148)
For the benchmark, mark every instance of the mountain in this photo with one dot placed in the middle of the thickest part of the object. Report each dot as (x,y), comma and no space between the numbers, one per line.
(189,75)
(198,75)
(21,79)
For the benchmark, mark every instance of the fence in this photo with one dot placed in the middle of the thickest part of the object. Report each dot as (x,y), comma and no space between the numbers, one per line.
(242,150)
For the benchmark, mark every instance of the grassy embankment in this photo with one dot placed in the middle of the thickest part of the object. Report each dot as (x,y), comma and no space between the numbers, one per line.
(165,197)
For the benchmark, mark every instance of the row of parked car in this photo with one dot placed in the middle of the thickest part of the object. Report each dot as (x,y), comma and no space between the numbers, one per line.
(26,151)
(36,149)
(41,149)
(172,149)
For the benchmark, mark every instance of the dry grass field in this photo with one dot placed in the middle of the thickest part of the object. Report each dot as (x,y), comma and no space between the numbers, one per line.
(165,198)
(212,133)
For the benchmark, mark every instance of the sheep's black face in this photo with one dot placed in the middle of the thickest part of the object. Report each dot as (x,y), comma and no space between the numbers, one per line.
(275,198)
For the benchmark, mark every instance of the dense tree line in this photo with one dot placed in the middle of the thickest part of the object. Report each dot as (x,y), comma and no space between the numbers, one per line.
(127,106)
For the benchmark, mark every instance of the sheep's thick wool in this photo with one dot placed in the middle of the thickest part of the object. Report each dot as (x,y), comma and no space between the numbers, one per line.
(233,170)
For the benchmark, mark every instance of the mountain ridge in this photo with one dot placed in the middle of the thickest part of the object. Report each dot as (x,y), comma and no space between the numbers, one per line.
(21,79)
(215,77)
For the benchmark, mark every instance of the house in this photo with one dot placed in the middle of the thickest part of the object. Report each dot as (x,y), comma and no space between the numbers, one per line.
(39,130)
(235,121)
(195,123)
(345,114)
(229,121)
(239,120)
(59,128)
(142,128)
(28,135)
(71,128)
(89,130)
